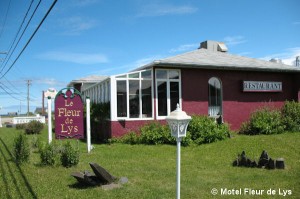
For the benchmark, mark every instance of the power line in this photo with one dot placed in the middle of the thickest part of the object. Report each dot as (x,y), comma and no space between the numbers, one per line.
(9,51)
(5,18)
(49,10)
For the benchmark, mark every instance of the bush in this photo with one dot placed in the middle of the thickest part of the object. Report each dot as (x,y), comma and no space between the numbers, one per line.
(21,149)
(69,155)
(291,116)
(204,129)
(50,154)
(155,133)
(263,121)
(34,127)
(20,126)
(129,138)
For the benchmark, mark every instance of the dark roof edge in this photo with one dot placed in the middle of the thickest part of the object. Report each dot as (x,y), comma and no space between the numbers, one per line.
(158,63)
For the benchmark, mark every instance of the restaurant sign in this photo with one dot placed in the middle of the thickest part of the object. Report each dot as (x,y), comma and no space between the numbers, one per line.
(262,86)
(68,114)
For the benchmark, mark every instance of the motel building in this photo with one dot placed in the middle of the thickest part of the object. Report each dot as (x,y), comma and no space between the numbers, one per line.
(206,81)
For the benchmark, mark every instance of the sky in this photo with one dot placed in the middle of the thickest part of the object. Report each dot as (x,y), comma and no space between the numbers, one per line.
(80,38)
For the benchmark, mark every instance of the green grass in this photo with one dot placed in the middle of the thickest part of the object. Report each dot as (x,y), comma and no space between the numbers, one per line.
(151,170)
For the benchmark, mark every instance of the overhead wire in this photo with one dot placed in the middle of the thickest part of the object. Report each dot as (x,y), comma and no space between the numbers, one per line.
(45,16)
(5,18)
(9,51)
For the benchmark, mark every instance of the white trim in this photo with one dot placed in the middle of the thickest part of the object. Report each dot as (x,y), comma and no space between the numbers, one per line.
(168,80)
(113,90)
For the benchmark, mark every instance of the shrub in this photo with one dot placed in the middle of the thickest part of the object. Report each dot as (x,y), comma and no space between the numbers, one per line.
(263,121)
(291,116)
(129,138)
(50,154)
(69,155)
(21,149)
(21,126)
(155,133)
(204,129)
(34,127)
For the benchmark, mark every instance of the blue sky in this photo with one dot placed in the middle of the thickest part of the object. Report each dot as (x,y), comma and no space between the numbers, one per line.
(100,37)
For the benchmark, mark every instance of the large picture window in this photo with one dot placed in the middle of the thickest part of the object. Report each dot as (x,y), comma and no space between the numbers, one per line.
(134,95)
(168,91)
(215,97)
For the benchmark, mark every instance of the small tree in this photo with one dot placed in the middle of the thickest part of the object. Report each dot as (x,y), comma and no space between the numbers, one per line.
(21,149)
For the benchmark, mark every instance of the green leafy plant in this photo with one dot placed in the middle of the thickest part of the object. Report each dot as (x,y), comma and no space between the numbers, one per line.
(20,126)
(34,127)
(50,154)
(155,133)
(69,155)
(263,121)
(21,150)
(204,129)
(291,116)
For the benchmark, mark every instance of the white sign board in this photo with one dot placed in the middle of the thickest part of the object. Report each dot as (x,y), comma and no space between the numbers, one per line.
(262,86)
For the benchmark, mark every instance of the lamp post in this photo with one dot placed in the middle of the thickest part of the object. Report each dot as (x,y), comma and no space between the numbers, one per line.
(178,121)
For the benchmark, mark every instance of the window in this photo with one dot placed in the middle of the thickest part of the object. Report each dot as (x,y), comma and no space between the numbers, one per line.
(134,95)
(214,97)
(121,98)
(168,91)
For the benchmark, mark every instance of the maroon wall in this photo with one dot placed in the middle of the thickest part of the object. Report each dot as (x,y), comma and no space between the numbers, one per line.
(237,105)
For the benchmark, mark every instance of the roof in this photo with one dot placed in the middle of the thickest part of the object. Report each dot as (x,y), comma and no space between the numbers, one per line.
(88,79)
(207,59)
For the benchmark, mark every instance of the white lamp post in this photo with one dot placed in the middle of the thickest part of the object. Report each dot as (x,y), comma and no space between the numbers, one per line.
(178,121)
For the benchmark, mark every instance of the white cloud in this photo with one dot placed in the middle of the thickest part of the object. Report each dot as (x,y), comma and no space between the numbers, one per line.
(50,82)
(288,56)
(234,40)
(78,58)
(154,10)
(184,47)
(76,25)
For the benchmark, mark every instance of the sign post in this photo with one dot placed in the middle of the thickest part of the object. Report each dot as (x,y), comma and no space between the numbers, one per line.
(88,125)
(49,121)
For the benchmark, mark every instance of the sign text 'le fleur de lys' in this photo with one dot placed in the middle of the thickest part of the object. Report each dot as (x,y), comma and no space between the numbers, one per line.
(68,114)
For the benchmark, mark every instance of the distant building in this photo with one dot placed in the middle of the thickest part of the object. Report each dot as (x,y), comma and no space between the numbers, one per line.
(207,81)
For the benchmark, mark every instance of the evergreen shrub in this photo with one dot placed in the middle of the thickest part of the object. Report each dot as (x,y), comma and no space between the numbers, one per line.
(50,154)
(34,127)
(69,155)
(21,150)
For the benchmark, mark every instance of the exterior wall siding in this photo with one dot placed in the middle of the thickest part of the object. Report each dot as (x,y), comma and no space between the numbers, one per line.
(237,105)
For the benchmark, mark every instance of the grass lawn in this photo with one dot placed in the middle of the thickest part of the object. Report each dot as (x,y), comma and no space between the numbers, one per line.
(151,170)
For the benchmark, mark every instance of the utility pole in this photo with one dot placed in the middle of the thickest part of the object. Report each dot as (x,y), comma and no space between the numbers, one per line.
(28,98)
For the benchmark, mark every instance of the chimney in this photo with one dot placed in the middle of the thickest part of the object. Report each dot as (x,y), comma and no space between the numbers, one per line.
(214,46)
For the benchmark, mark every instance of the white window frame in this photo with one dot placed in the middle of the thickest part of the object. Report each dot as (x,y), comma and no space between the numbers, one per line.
(168,80)
(114,115)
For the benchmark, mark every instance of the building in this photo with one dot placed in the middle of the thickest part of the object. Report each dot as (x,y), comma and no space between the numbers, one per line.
(207,81)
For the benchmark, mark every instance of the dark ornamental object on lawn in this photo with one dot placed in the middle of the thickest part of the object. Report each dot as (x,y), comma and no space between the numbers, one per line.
(101,178)
(280,163)
(264,161)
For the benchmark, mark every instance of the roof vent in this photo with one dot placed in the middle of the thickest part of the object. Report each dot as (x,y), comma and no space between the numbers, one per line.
(275,60)
(214,46)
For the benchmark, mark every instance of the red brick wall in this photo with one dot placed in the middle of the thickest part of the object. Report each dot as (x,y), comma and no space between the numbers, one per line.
(237,105)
